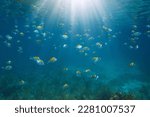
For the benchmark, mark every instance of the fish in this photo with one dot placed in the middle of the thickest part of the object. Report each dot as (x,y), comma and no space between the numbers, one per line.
(52,60)
(38,60)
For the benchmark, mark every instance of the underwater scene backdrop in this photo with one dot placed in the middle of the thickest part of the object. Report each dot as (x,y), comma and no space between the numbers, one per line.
(75,49)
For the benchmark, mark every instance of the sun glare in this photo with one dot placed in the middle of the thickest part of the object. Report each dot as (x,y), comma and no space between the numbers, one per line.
(80,5)
(74,10)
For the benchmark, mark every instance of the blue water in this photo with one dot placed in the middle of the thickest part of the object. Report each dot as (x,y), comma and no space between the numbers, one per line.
(62,49)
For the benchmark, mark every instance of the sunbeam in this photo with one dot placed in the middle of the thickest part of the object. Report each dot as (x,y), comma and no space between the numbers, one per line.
(73,11)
